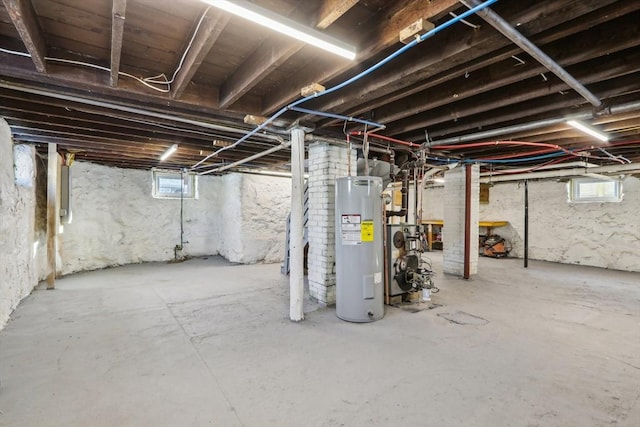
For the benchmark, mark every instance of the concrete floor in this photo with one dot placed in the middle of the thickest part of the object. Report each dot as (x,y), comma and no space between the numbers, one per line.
(208,343)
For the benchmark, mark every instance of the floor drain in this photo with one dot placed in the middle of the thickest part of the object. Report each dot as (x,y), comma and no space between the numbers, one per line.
(463,318)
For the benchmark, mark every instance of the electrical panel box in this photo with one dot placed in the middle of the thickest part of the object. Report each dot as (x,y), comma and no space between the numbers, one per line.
(65,193)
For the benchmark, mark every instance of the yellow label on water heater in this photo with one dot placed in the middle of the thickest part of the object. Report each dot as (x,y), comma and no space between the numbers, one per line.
(366,231)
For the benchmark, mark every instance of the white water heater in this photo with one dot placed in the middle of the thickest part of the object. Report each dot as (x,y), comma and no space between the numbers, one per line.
(359,249)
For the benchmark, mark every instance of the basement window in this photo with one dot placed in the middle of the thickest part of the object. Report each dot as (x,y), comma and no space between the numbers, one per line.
(174,185)
(594,190)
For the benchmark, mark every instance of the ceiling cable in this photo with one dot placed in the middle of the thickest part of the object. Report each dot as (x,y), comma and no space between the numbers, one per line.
(159,79)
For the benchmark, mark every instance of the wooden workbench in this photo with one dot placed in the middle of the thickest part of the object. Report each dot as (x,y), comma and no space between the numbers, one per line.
(489,225)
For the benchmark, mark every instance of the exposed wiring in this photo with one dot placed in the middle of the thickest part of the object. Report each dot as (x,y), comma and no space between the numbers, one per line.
(160,79)
(515,155)
(624,159)
(518,160)
(15,52)
(530,144)
(386,138)
(337,116)
(353,79)
(520,61)
(142,80)
(474,26)
(186,51)
(385,146)
(532,169)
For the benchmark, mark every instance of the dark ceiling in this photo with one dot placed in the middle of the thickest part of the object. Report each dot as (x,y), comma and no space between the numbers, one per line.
(466,84)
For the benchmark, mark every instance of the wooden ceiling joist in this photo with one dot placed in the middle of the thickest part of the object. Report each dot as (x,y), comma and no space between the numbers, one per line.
(210,28)
(117,31)
(379,37)
(454,47)
(467,83)
(488,71)
(331,10)
(487,94)
(273,52)
(26,22)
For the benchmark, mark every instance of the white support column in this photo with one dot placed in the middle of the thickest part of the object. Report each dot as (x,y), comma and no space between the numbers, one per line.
(296,247)
(52,214)
(453,232)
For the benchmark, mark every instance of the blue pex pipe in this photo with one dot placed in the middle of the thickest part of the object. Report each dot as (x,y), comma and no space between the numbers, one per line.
(338,116)
(353,79)
(521,159)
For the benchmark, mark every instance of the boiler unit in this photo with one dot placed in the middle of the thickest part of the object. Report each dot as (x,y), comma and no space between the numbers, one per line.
(359,249)
(406,271)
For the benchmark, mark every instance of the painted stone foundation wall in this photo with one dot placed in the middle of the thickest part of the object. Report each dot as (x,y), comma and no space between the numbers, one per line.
(22,246)
(266,202)
(597,234)
(116,221)
(254,215)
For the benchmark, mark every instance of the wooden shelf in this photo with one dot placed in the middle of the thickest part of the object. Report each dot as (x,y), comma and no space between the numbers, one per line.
(430,223)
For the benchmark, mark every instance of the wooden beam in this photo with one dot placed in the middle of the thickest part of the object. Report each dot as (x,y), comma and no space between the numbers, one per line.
(206,35)
(52,213)
(453,48)
(273,52)
(117,31)
(550,106)
(485,65)
(270,55)
(331,10)
(26,22)
(94,84)
(568,53)
(378,38)
(518,94)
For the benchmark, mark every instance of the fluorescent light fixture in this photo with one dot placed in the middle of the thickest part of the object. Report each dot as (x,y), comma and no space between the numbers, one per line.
(438,180)
(286,26)
(169,152)
(588,130)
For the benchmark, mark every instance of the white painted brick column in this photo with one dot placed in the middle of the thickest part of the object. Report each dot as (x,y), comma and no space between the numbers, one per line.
(326,163)
(454,217)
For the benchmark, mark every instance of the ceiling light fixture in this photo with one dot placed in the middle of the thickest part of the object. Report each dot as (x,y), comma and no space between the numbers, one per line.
(285,26)
(169,152)
(588,130)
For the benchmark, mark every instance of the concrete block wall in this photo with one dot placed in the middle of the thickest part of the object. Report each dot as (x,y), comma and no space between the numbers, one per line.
(454,220)
(326,163)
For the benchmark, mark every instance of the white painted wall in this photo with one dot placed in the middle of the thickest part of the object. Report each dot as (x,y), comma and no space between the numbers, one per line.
(596,234)
(266,202)
(254,217)
(116,220)
(21,248)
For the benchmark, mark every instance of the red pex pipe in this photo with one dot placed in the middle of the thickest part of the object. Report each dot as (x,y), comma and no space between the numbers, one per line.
(512,156)
(386,138)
